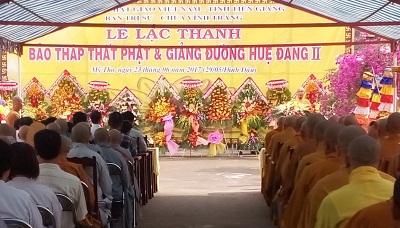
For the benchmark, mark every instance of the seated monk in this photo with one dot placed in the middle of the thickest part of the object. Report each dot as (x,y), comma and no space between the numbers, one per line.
(319,153)
(385,214)
(333,181)
(76,170)
(390,144)
(291,143)
(311,174)
(267,141)
(366,187)
(350,120)
(287,133)
(306,147)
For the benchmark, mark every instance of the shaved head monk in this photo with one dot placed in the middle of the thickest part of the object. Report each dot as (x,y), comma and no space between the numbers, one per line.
(390,144)
(291,143)
(365,188)
(333,181)
(312,173)
(267,141)
(308,146)
(273,149)
(382,128)
(319,153)
(54,127)
(13,115)
(23,132)
(350,120)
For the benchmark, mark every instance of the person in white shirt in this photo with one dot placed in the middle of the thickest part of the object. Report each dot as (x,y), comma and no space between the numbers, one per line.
(95,117)
(80,135)
(48,146)
(24,171)
(15,203)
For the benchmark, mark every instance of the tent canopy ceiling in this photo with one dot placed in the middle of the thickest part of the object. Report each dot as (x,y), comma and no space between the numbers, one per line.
(349,11)
(67,11)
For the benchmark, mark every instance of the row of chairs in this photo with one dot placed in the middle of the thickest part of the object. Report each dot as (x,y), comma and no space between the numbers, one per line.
(47,217)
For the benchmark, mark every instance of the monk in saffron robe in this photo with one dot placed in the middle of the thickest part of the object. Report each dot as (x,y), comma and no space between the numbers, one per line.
(267,141)
(291,143)
(331,182)
(390,144)
(366,187)
(319,153)
(311,174)
(279,138)
(306,147)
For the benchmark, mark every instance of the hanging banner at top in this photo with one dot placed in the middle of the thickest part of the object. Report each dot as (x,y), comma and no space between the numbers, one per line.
(204,53)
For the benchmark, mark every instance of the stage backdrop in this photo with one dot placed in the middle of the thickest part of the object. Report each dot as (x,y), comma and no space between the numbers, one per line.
(139,68)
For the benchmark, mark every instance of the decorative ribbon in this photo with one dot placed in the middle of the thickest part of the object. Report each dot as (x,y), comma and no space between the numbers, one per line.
(216,145)
(168,127)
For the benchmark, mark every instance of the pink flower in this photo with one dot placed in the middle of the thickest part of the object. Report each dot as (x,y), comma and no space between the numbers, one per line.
(215,137)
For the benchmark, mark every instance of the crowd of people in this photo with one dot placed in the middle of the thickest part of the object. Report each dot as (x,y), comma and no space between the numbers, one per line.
(35,166)
(328,173)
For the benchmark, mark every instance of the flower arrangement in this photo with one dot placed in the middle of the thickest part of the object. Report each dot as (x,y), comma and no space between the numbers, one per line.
(65,101)
(35,105)
(192,115)
(159,139)
(253,142)
(66,96)
(98,98)
(292,108)
(160,106)
(277,92)
(219,109)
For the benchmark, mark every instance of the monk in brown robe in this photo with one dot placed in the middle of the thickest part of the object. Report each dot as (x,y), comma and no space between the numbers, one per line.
(385,214)
(390,144)
(267,141)
(311,174)
(333,181)
(291,143)
(319,153)
(382,128)
(373,129)
(287,133)
(306,147)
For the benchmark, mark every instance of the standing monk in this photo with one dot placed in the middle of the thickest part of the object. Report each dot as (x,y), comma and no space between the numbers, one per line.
(13,115)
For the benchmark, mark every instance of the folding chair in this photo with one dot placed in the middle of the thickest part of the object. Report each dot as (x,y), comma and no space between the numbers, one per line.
(117,208)
(67,205)
(16,223)
(47,217)
(90,163)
